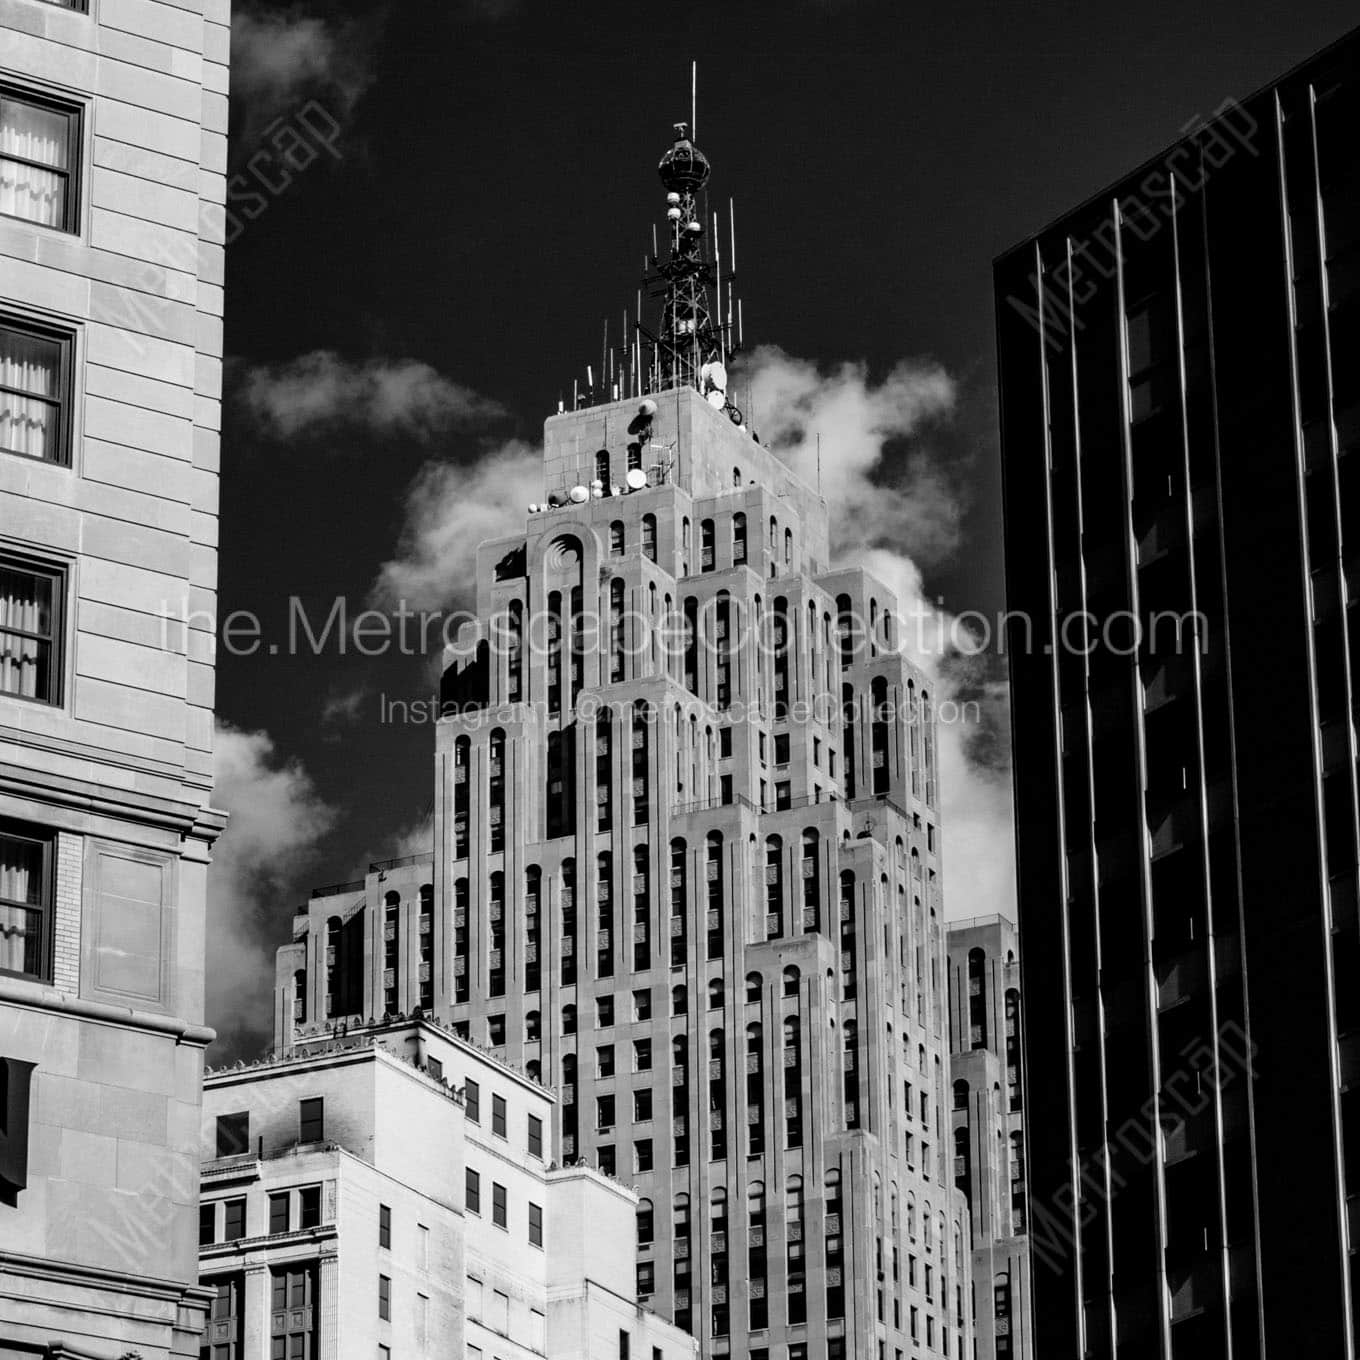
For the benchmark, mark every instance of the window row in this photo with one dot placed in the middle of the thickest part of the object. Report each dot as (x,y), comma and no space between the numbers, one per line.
(472,1108)
(500,1206)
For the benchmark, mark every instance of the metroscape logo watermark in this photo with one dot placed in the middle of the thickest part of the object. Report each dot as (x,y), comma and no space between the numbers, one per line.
(719,626)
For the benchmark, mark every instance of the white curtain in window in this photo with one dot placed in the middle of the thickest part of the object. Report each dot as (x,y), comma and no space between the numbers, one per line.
(25,608)
(20,881)
(29,133)
(29,364)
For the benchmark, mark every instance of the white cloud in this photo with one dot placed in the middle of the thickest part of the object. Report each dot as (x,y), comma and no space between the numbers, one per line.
(321,391)
(283,58)
(277,820)
(879,493)
(450,508)
(342,707)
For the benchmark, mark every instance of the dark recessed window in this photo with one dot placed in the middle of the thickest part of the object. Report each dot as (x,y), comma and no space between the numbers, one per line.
(233,1220)
(309,1206)
(39,152)
(233,1134)
(385,1226)
(535,1225)
(311,1120)
(31,599)
(278,1213)
(499,1214)
(26,855)
(384,1298)
(498,1116)
(35,389)
(472,1100)
(535,1136)
(207,1224)
(472,1191)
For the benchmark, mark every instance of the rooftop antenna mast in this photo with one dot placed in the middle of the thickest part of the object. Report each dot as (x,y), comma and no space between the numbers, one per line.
(693,343)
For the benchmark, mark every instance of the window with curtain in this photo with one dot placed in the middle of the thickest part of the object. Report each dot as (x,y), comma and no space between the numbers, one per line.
(30,630)
(35,391)
(25,899)
(39,144)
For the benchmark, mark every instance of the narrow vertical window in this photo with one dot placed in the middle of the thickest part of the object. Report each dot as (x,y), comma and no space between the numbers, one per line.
(26,861)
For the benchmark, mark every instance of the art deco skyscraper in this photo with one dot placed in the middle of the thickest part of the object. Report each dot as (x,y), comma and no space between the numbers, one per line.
(987,1071)
(112,180)
(1180,398)
(686,864)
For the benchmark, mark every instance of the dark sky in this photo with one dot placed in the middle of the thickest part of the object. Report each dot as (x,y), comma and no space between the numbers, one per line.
(495,190)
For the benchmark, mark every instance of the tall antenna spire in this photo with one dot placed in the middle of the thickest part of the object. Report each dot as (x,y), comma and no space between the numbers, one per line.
(693,342)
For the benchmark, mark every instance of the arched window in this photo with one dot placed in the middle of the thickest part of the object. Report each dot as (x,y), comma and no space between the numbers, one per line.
(533,1069)
(649,537)
(514,650)
(715,1045)
(911,1216)
(616,648)
(634,456)
(753,986)
(569,1019)
(850,1074)
(495,913)
(774,533)
(604,907)
(646,1222)
(788,547)
(713,847)
(880,735)
(531,1026)
(391,952)
(335,974)
(533,927)
(300,996)
(960,1095)
(462,757)
(715,994)
(774,887)
(496,790)
(755,1091)
(602,466)
(616,538)
(977,996)
(791,979)
(793,1083)
(679,907)
(795,1263)
(738,538)
(736,476)
(679,1000)
(1013,1085)
(706,545)
(812,879)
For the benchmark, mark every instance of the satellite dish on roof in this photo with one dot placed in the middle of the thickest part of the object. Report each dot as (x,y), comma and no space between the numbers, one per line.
(636,479)
(579,494)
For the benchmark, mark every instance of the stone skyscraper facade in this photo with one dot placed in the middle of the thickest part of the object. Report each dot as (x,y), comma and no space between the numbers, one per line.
(987,1069)
(113,121)
(687,874)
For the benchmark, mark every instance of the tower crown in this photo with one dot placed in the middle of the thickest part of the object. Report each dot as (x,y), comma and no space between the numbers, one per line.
(684,168)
